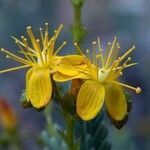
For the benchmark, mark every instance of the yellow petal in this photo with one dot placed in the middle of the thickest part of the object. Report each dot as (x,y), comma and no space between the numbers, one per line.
(61,77)
(115,101)
(90,99)
(70,65)
(74,59)
(54,61)
(39,87)
(28,75)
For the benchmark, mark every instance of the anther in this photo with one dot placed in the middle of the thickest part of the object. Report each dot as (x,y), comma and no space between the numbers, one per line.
(7,56)
(22,37)
(25,39)
(109,43)
(75,44)
(93,42)
(118,46)
(64,42)
(87,51)
(121,73)
(133,47)
(97,56)
(46,24)
(129,58)
(28,28)
(2,49)
(61,25)
(138,90)
(37,40)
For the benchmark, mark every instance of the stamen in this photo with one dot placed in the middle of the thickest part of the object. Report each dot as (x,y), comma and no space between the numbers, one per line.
(13,69)
(48,49)
(117,74)
(32,38)
(63,44)
(58,31)
(110,53)
(100,52)
(138,90)
(41,34)
(97,64)
(13,56)
(130,65)
(88,54)
(28,49)
(107,53)
(113,68)
(94,52)
(22,50)
(46,26)
(45,39)
(39,50)
(29,54)
(127,53)
(78,49)
(22,44)
(115,52)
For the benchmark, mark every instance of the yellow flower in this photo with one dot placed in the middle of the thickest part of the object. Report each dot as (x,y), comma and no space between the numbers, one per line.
(101,84)
(40,55)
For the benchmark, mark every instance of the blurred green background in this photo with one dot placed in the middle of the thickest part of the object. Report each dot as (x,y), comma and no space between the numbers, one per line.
(128,20)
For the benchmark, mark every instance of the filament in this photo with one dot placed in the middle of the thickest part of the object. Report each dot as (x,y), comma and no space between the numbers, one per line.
(63,44)
(78,49)
(127,53)
(13,69)
(13,56)
(110,53)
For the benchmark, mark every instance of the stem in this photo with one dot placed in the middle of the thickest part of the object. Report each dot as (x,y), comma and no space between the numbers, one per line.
(70,132)
(77,29)
(69,121)
(77,15)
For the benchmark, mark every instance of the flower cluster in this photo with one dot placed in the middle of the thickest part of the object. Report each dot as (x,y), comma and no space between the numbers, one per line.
(99,71)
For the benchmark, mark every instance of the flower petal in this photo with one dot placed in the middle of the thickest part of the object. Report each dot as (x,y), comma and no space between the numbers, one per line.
(115,101)
(90,99)
(70,65)
(39,87)
(28,76)
(61,77)
(74,59)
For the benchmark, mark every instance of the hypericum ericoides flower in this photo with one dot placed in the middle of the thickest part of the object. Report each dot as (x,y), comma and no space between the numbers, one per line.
(101,84)
(40,55)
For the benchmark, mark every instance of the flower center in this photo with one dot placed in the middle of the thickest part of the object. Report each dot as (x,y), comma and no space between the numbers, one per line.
(102,74)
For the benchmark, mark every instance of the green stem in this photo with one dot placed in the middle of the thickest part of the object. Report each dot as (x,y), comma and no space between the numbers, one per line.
(70,132)
(77,15)
(69,121)
(77,29)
